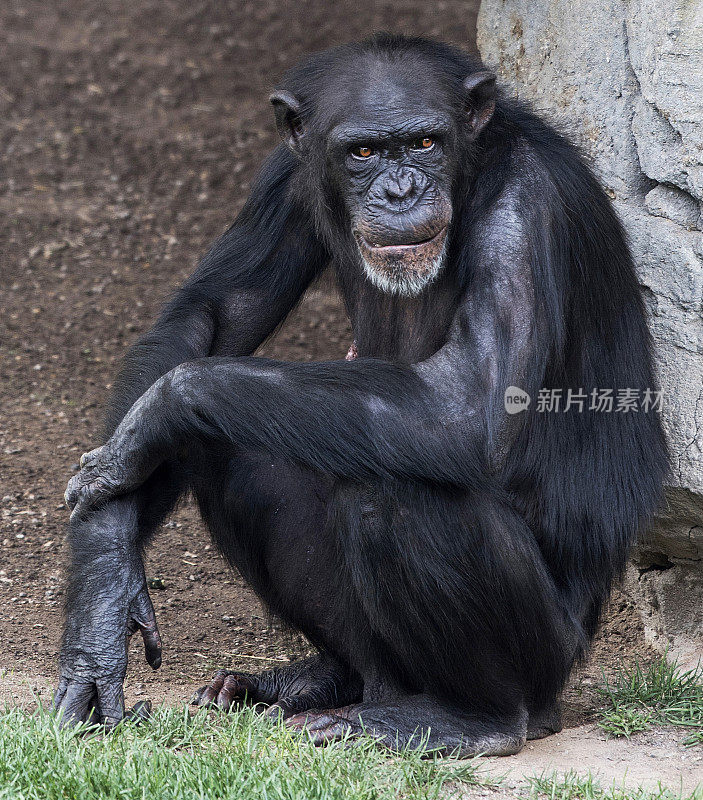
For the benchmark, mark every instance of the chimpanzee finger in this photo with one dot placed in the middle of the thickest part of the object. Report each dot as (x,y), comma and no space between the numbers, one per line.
(60,693)
(322,726)
(86,498)
(86,489)
(93,716)
(139,713)
(286,707)
(91,457)
(152,647)
(71,494)
(76,703)
(235,689)
(110,703)
(143,617)
(333,731)
(78,481)
(197,694)
(208,694)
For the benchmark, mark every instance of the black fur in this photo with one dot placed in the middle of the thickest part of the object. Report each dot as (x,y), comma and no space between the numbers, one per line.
(387,507)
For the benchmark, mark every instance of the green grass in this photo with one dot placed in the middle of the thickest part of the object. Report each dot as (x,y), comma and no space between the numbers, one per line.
(210,756)
(661,694)
(178,756)
(572,786)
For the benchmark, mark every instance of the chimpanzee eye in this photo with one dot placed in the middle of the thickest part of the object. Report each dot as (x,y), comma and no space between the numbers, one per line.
(363,151)
(425,143)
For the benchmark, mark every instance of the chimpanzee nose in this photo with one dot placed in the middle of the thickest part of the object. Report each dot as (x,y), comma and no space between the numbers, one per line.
(400,185)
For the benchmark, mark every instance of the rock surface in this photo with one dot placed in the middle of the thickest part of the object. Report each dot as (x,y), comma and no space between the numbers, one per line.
(625,80)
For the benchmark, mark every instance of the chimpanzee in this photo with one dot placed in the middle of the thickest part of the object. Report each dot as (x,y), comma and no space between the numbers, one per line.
(447,559)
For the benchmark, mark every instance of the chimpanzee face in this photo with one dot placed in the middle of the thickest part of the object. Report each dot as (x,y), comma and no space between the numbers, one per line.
(392,175)
(384,135)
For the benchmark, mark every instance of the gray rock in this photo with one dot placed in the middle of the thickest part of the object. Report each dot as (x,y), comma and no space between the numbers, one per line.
(625,80)
(659,147)
(665,44)
(673,204)
(670,598)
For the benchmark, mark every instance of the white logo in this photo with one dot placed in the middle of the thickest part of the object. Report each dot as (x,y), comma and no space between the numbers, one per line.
(516,400)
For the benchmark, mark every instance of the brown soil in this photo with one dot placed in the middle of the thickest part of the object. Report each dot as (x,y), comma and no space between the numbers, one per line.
(129,135)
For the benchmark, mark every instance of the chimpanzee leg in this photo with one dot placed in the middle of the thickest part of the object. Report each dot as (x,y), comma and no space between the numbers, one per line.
(269,518)
(489,645)
(446,587)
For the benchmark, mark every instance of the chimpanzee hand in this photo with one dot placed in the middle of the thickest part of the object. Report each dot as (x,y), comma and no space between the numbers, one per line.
(92,484)
(106,472)
(108,602)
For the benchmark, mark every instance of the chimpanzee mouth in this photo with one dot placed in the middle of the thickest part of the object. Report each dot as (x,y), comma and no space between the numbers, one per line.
(404,269)
(404,248)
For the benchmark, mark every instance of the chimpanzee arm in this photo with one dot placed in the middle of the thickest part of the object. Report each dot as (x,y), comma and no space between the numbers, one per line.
(244,287)
(441,420)
(248,282)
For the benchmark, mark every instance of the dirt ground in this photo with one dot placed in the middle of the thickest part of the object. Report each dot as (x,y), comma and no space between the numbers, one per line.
(129,135)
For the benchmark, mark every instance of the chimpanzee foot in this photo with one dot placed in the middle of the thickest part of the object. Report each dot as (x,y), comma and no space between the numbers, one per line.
(328,726)
(312,683)
(419,722)
(227,690)
(544,723)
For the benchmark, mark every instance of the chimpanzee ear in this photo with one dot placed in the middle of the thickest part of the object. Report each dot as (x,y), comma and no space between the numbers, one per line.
(480,100)
(287,111)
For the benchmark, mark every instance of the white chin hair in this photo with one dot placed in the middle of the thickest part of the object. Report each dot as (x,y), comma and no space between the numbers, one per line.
(404,282)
